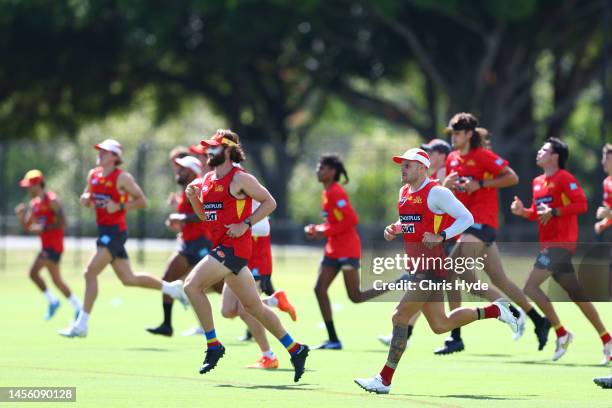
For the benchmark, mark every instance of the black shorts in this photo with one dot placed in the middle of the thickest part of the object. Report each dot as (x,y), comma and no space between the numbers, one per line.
(110,237)
(341,263)
(556,260)
(225,255)
(49,254)
(194,250)
(483,232)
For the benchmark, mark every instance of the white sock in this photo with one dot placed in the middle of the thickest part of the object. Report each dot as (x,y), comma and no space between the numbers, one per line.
(50,297)
(167,289)
(82,320)
(271,301)
(75,302)
(269,354)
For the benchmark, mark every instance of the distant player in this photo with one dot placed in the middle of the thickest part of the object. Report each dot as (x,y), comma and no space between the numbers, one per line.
(474,175)
(44,215)
(343,248)
(603,227)
(557,201)
(112,192)
(422,204)
(193,237)
(223,198)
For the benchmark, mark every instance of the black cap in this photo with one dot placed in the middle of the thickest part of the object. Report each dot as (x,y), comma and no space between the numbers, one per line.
(437,145)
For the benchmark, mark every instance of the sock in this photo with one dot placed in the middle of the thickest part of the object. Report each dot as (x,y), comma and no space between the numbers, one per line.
(605,337)
(560,330)
(456,333)
(271,301)
(514,311)
(211,340)
(331,331)
(387,375)
(167,289)
(291,346)
(488,312)
(269,354)
(535,317)
(167,313)
(409,332)
(75,302)
(50,297)
(82,320)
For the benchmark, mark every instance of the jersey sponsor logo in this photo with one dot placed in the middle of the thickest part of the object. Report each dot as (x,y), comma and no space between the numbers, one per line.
(544,200)
(213,206)
(100,200)
(210,211)
(109,184)
(341,203)
(499,161)
(408,228)
(415,200)
(218,188)
(220,253)
(411,218)
(402,200)
(471,162)
(210,216)
(573,186)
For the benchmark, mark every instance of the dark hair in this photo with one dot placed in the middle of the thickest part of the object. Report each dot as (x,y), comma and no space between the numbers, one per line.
(179,152)
(119,160)
(334,161)
(466,121)
(236,153)
(559,148)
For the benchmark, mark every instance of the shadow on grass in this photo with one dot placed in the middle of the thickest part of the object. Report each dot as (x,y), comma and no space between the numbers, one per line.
(148,349)
(552,363)
(290,387)
(477,397)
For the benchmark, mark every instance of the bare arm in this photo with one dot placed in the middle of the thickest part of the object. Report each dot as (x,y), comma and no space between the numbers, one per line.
(248,185)
(137,200)
(85,198)
(60,218)
(506,178)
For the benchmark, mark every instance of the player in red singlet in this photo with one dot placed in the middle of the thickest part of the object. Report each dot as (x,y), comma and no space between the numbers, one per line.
(422,205)
(112,192)
(557,201)
(223,199)
(44,215)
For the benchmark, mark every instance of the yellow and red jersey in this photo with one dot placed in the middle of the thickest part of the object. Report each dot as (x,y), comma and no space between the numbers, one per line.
(51,238)
(607,199)
(221,208)
(563,192)
(340,224)
(190,230)
(478,164)
(104,188)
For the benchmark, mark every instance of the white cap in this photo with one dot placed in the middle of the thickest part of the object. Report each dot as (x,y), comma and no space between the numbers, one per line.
(415,154)
(191,163)
(110,145)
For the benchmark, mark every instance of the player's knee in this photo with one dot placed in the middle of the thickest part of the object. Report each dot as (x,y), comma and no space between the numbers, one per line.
(529,289)
(320,291)
(254,308)
(189,286)
(400,317)
(129,280)
(355,297)
(229,313)
(438,327)
(89,274)
(34,274)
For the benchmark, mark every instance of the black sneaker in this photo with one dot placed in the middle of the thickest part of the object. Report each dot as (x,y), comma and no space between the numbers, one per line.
(451,345)
(603,382)
(541,332)
(163,330)
(298,360)
(212,358)
(247,336)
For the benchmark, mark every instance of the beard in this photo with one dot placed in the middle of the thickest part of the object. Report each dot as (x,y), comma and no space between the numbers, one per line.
(183,180)
(216,160)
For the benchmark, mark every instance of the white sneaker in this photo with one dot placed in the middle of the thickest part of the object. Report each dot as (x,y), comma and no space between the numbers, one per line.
(607,351)
(193,331)
(73,331)
(373,384)
(521,324)
(562,345)
(178,293)
(506,316)
(385,339)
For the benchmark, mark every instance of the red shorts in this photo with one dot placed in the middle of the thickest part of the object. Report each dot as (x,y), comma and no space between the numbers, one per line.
(261,257)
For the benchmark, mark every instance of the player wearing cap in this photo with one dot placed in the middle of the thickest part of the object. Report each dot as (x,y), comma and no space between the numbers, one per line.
(44,215)
(223,198)
(557,201)
(343,247)
(192,235)
(112,192)
(474,175)
(422,205)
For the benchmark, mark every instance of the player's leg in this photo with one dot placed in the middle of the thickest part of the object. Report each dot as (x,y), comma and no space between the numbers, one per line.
(327,274)
(34,273)
(453,343)
(178,266)
(54,270)
(386,339)
(243,286)
(352,281)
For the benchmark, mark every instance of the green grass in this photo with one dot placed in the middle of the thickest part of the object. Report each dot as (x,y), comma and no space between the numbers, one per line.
(120,365)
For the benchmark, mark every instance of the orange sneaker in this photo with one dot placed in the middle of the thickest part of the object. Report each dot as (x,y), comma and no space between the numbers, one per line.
(266,363)
(284,305)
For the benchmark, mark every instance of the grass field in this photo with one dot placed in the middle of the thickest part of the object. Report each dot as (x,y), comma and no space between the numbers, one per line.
(121,365)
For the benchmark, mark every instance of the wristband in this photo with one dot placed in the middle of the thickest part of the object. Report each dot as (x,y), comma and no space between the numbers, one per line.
(247,221)
(122,206)
(443,235)
(555,212)
(481,183)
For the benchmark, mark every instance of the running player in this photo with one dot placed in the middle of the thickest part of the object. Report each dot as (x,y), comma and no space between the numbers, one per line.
(224,202)
(474,175)
(422,205)
(45,216)
(557,201)
(112,192)
(193,237)
(343,248)
(604,212)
